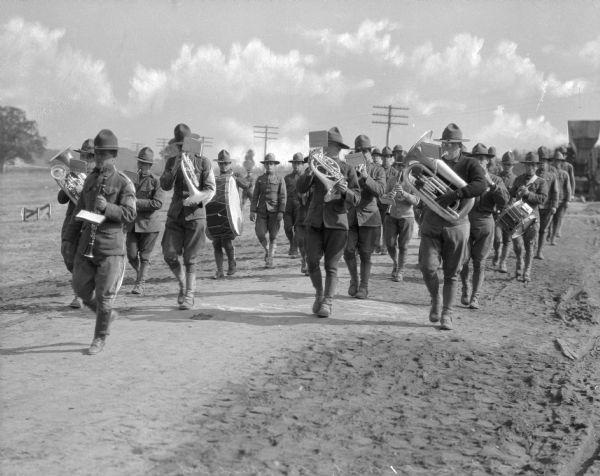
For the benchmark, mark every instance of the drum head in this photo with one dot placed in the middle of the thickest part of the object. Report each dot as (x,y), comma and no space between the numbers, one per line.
(236,220)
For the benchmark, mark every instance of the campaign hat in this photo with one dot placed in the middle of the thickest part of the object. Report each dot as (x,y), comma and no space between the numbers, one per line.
(531,158)
(544,153)
(492,151)
(375,152)
(106,140)
(386,152)
(297,157)
(508,158)
(180,132)
(87,147)
(334,135)
(270,157)
(558,155)
(146,155)
(223,157)
(452,133)
(480,150)
(362,142)
(397,148)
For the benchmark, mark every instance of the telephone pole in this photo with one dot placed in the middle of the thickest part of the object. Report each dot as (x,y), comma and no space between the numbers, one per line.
(206,142)
(266,133)
(390,118)
(161,143)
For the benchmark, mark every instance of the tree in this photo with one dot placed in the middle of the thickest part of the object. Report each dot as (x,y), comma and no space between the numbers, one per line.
(18,137)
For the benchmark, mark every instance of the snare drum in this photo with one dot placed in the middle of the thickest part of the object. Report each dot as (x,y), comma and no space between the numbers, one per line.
(223,213)
(516,218)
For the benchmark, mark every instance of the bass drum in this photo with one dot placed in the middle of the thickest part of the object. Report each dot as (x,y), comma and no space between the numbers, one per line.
(223,213)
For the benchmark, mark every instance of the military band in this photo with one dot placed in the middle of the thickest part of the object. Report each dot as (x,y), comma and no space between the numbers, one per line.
(324,218)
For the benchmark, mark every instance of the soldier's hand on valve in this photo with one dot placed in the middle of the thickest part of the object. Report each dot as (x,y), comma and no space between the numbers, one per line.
(448,198)
(100,203)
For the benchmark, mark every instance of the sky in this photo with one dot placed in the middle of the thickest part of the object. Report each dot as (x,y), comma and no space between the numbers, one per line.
(509,73)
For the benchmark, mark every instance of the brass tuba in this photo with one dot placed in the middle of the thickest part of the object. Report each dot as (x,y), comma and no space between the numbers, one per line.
(326,170)
(193,146)
(64,169)
(428,177)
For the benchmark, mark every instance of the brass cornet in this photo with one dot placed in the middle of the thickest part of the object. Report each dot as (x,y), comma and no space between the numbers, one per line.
(429,178)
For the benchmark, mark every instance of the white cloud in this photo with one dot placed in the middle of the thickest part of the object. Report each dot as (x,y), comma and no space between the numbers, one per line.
(462,58)
(372,38)
(243,73)
(590,52)
(419,106)
(39,69)
(530,133)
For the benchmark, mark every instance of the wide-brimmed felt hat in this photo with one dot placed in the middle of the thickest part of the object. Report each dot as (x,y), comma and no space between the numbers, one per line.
(558,155)
(180,132)
(397,148)
(86,148)
(375,152)
(146,155)
(492,151)
(106,140)
(297,157)
(270,157)
(386,152)
(544,153)
(531,158)
(362,142)
(508,158)
(223,157)
(334,135)
(452,133)
(480,150)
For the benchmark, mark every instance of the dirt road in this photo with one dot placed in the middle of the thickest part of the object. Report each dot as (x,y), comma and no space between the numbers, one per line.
(250,382)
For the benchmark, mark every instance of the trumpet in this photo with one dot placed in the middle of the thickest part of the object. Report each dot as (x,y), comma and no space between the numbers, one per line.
(429,178)
(327,171)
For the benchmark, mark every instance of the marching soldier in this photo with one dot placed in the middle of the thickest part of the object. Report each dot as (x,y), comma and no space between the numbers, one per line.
(502,238)
(399,219)
(493,165)
(85,153)
(186,223)
(549,206)
(481,235)
(387,163)
(249,179)
(533,190)
(444,241)
(363,220)
(292,204)
(565,194)
(221,243)
(143,233)
(268,206)
(97,251)
(304,202)
(327,223)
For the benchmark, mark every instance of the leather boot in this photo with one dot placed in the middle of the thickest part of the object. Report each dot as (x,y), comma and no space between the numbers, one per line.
(317,282)
(398,276)
(140,283)
(528,262)
(177,270)
(541,243)
(365,273)
(350,260)
(478,277)
(464,279)
(190,288)
(327,303)
(496,254)
(502,263)
(219,262)
(448,293)
(433,286)
(231,263)
(519,254)
(271,254)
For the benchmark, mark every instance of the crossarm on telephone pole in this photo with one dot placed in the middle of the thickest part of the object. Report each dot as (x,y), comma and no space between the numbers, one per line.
(390,118)
(266,133)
